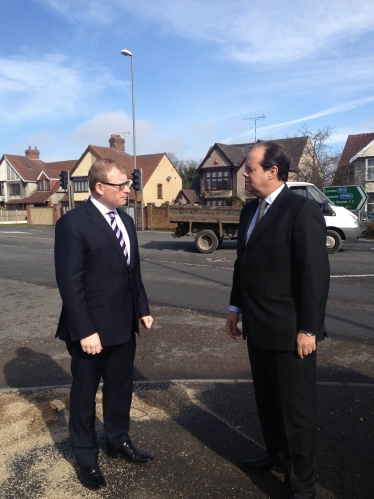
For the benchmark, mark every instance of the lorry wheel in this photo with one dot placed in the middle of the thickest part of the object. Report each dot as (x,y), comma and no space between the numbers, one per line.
(206,241)
(333,242)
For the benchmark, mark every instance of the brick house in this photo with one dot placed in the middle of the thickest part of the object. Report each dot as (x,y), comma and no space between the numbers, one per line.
(221,171)
(356,166)
(161,181)
(27,180)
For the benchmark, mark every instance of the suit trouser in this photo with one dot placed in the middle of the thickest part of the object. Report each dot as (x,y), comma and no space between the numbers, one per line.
(285,391)
(115,365)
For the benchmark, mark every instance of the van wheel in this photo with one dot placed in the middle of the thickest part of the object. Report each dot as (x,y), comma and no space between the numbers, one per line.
(206,241)
(333,242)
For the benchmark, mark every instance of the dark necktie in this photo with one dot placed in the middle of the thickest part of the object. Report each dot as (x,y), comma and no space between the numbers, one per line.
(118,233)
(263,205)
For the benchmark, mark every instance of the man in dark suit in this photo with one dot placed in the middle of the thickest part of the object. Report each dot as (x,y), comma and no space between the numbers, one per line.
(280,286)
(98,275)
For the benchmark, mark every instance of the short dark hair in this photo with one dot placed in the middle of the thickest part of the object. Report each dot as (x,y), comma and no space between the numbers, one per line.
(100,169)
(276,155)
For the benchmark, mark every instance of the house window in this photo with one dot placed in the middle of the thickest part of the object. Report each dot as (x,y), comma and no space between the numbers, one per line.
(215,202)
(370,169)
(44,185)
(1,188)
(15,189)
(159,191)
(370,203)
(81,184)
(219,180)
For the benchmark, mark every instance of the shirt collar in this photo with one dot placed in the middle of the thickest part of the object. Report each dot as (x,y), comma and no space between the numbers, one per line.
(103,209)
(271,197)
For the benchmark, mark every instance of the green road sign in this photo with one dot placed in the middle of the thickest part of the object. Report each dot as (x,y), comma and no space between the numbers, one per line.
(352,197)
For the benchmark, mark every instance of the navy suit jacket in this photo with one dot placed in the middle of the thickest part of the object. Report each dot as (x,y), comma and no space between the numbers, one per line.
(281,277)
(99,291)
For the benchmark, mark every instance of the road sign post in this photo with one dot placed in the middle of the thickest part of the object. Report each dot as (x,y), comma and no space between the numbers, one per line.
(352,197)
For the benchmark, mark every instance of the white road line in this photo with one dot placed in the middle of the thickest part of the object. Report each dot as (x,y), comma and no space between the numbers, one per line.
(233,381)
(187,264)
(353,275)
(231,268)
(29,237)
(13,245)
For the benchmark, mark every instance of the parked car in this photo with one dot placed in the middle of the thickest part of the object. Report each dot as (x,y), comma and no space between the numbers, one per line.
(367,217)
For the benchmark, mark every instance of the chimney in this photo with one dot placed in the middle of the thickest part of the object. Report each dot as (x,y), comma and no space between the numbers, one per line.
(32,153)
(117,143)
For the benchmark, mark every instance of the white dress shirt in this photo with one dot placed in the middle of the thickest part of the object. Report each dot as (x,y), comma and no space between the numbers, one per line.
(104,211)
(269,200)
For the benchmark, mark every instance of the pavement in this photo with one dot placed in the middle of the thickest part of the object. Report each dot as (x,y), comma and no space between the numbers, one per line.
(198,430)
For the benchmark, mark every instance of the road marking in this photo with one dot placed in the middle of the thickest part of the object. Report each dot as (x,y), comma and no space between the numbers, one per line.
(13,245)
(353,275)
(231,268)
(29,237)
(187,264)
(197,381)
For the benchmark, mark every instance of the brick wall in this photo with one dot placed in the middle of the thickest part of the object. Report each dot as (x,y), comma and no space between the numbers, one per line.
(154,218)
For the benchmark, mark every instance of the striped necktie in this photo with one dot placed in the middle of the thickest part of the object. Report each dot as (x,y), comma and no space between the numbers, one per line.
(263,205)
(118,233)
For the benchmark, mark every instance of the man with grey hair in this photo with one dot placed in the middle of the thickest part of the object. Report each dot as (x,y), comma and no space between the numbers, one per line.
(280,286)
(98,275)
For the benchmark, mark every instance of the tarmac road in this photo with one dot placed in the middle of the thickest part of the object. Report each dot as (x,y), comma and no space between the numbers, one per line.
(193,405)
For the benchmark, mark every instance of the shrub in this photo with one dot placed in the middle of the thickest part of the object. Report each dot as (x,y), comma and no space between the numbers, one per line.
(229,201)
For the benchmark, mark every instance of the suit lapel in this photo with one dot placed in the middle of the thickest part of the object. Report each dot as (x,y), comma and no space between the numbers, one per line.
(99,221)
(247,222)
(267,219)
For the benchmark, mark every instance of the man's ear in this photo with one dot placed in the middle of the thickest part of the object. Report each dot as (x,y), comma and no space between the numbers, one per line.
(99,188)
(273,172)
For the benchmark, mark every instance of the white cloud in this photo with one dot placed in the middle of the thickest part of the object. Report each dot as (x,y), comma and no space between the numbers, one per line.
(187,143)
(79,11)
(260,31)
(263,130)
(49,87)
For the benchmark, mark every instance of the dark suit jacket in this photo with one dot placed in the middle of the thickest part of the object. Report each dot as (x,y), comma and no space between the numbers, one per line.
(99,291)
(281,277)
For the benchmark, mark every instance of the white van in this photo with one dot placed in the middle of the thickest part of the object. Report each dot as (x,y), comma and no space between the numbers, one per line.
(342,225)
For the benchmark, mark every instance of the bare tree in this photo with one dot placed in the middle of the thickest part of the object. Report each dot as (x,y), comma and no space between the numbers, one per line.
(186,169)
(321,159)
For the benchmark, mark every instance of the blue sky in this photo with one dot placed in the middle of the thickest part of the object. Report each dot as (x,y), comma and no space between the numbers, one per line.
(201,67)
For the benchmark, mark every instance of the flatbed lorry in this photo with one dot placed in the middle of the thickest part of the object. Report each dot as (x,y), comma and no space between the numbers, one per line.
(211,225)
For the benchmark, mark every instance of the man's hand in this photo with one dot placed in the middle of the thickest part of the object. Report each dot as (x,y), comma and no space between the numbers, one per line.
(305,344)
(91,344)
(147,321)
(232,325)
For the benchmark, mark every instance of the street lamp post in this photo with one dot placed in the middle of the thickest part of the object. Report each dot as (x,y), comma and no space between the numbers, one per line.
(128,53)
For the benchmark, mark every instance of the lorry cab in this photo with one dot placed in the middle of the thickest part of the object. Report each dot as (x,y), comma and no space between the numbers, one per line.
(342,225)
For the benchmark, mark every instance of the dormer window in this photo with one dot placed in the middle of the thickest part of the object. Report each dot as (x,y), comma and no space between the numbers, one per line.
(44,185)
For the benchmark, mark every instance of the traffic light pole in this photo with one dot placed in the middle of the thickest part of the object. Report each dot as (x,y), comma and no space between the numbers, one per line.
(69,190)
(141,193)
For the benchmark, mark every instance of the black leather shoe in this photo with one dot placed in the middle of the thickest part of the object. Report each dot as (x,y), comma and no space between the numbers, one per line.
(129,452)
(91,477)
(262,465)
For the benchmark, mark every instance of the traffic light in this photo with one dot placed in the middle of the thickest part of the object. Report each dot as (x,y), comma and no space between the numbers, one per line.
(64,179)
(137,180)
